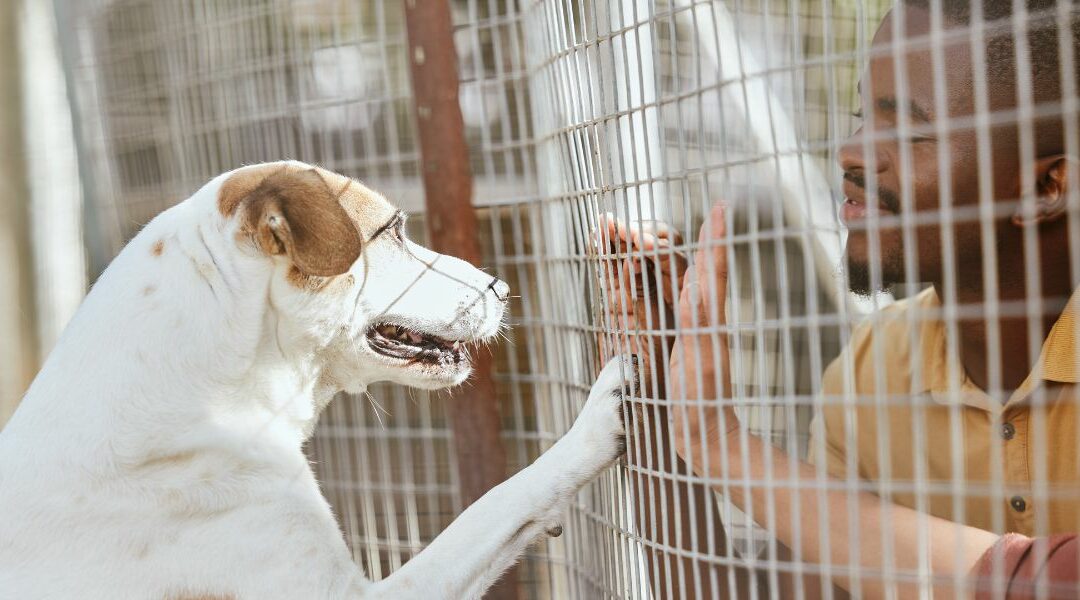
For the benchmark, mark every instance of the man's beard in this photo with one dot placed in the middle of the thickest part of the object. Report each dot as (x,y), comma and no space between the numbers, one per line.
(892,264)
(859,280)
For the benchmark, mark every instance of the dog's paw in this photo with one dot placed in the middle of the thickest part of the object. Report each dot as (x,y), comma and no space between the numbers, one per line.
(600,425)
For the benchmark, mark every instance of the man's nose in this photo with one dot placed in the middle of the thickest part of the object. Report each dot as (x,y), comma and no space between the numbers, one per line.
(500,288)
(856,156)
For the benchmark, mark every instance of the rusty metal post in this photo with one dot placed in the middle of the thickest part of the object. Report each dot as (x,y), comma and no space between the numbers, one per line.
(451,225)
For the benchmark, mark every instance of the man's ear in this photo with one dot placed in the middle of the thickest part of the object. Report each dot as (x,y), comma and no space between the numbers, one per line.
(296,213)
(1052,190)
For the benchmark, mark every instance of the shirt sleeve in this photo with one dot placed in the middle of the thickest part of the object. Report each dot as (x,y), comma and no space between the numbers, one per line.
(1026,567)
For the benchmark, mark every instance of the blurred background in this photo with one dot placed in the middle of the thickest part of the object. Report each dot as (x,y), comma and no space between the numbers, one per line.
(112,110)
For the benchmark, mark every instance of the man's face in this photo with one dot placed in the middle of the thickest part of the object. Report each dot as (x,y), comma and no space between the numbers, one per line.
(898,159)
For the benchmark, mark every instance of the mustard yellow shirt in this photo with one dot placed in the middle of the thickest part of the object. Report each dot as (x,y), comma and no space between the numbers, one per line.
(931,439)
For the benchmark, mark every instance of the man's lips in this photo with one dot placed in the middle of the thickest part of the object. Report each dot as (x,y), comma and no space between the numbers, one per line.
(852,211)
(855,207)
(856,211)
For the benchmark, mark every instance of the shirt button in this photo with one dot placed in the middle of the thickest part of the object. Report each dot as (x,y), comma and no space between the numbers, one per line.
(1008,431)
(1018,504)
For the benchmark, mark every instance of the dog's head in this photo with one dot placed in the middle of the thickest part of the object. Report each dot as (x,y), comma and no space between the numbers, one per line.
(346,281)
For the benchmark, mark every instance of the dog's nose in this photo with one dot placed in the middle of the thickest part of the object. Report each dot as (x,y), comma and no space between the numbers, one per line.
(500,288)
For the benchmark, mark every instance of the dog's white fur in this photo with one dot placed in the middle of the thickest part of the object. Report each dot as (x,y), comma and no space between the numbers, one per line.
(158,453)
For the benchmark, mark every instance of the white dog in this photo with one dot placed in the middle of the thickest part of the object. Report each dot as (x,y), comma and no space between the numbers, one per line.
(158,453)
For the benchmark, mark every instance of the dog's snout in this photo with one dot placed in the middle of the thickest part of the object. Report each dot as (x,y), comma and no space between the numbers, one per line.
(500,288)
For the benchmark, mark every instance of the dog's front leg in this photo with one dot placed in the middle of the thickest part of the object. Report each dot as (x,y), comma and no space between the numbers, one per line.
(491,534)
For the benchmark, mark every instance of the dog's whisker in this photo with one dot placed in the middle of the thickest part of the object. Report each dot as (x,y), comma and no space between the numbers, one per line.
(379,410)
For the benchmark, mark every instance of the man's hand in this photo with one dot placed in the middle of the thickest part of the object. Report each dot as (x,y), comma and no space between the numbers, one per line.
(700,366)
(649,246)
(639,293)
(650,254)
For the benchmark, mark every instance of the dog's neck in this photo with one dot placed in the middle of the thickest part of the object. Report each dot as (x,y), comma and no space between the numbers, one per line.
(154,364)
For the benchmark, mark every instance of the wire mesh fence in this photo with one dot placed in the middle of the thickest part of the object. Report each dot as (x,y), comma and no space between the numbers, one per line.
(951,392)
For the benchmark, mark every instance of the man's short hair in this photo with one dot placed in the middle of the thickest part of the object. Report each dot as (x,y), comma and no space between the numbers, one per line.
(1042,29)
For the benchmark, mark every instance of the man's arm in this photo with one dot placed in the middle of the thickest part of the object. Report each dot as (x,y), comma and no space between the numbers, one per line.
(679,521)
(827,449)
(707,432)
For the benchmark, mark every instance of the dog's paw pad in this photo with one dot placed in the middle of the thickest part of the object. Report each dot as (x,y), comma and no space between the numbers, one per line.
(554,530)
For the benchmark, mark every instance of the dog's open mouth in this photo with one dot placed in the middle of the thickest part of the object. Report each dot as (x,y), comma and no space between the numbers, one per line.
(403,343)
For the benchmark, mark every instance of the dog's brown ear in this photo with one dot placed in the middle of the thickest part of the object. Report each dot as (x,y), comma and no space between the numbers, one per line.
(296,213)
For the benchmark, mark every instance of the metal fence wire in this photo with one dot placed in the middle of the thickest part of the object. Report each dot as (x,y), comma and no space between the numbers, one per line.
(951,392)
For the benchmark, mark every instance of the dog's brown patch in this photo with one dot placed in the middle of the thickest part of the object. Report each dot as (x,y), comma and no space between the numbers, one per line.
(241,183)
(298,214)
(167,460)
(305,282)
(318,284)
(158,248)
(365,207)
(150,289)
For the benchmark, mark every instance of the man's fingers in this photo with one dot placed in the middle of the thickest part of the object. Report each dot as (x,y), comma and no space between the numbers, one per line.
(717,233)
(647,245)
(608,235)
(638,235)
(710,258)
(672,286)
(664,231)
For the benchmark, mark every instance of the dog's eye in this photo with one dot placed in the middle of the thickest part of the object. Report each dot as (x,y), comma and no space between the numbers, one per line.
(395,227)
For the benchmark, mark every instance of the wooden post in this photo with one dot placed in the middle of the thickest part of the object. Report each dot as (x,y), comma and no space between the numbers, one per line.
(451,225)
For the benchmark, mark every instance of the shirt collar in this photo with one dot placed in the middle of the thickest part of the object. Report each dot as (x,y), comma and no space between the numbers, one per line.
(936,363)
(1059,360)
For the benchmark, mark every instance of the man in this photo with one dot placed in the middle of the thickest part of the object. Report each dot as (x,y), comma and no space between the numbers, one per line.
(865,534)
(943,422)
(918,390)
